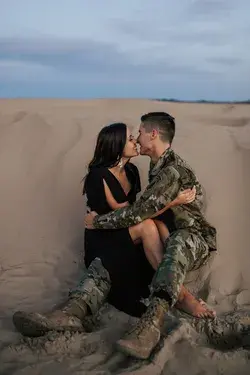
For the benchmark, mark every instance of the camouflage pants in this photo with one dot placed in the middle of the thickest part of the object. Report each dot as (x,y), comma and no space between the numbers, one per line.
(184,251)
(93,286)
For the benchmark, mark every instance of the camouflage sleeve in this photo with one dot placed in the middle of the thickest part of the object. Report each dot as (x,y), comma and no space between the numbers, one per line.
(160,192)
(151,166)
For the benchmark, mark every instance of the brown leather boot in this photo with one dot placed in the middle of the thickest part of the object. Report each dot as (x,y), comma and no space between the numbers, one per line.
(143,338)
(87,297)
(68,318)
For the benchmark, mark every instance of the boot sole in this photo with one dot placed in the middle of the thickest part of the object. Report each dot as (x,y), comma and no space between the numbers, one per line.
(34,325)
(132,353)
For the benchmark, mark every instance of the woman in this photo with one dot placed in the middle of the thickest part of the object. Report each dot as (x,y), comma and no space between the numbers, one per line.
(131,254)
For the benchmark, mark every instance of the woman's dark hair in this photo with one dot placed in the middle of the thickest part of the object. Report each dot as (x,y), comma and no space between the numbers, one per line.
(109,147)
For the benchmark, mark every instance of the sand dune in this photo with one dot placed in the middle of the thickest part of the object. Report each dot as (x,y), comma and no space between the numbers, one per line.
(44,148)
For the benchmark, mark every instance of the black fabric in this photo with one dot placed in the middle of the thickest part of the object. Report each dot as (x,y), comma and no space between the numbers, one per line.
(167,218)
(126,263)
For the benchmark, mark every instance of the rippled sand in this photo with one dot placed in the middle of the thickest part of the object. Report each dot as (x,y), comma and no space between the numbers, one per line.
(44,148)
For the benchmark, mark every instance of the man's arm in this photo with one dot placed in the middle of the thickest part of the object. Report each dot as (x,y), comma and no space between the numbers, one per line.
(163,189)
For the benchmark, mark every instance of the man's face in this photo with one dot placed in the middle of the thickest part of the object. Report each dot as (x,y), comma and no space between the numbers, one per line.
(145,141)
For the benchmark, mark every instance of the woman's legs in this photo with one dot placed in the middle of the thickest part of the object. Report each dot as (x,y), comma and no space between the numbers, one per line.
(163,230)
(147,233)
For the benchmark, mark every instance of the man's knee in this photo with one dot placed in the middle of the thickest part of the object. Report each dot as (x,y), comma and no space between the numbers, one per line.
(187,248)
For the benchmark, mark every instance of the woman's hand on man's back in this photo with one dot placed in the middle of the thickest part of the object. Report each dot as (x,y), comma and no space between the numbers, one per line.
(89,218)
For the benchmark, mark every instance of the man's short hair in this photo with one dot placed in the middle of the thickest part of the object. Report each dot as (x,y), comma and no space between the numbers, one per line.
(161,121)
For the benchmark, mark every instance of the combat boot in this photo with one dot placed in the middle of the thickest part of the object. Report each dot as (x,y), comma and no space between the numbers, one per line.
(143,338)
(68,318)
(86,298)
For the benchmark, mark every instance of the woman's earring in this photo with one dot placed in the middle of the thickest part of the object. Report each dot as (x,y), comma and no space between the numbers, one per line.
(120,164)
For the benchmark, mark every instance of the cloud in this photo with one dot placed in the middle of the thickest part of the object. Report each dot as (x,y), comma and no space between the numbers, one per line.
(186,34)
(222,24)
(60,53)
(11,70)
(226,61)
(188,48)
(211,7)
(83,58)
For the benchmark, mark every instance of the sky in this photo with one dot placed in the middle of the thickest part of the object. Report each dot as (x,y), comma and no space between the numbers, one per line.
(183,49)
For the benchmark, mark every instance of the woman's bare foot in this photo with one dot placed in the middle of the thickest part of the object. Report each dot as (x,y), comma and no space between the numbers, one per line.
(197,308)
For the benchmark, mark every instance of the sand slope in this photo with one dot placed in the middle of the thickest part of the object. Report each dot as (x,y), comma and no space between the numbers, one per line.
(44,148)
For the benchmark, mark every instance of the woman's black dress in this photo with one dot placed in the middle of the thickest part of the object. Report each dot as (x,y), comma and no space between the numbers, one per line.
(126,262)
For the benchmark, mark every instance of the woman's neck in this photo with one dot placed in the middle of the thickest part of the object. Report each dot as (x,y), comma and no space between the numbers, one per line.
(119,169)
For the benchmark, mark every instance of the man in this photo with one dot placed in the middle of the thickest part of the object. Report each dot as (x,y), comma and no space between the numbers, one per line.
(188,246)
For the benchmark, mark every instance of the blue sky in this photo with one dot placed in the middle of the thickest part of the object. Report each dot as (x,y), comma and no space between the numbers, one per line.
(185,49)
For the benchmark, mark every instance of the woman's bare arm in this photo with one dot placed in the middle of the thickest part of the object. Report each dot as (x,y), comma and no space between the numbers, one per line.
(184,197)
(110,198)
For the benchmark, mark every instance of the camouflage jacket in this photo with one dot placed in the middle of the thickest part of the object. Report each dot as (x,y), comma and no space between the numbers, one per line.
(166,178)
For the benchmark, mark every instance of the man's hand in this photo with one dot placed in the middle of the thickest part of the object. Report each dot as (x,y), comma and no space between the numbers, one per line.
(89,218)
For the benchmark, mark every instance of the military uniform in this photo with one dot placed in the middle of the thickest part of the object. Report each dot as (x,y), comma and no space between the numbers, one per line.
(189,246)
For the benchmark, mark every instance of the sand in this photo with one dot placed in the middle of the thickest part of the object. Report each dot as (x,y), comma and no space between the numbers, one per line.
(44,148)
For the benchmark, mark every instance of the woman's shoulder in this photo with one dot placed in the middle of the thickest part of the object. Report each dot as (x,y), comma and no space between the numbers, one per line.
(95,171)
(95,175)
